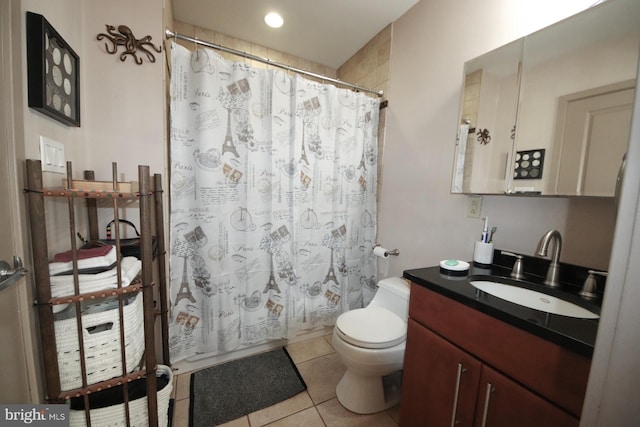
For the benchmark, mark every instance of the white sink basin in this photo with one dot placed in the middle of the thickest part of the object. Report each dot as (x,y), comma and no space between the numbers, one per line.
(533,299)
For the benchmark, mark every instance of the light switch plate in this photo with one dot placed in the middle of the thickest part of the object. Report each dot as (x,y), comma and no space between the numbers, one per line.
(52,156)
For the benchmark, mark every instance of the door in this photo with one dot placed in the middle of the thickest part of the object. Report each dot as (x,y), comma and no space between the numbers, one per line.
(595,134)
(17,361)
(439,383)
(505,403)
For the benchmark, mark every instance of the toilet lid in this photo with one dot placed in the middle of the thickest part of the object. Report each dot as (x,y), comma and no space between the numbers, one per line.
(373,327)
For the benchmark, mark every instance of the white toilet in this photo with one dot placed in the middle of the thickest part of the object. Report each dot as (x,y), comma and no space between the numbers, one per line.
(370,342)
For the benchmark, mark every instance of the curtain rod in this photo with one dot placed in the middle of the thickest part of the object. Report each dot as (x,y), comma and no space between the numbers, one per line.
(171,34)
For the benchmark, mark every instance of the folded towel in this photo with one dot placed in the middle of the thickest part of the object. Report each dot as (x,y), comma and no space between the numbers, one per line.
(63,285)
(87,263)
(109,273)
(98,251)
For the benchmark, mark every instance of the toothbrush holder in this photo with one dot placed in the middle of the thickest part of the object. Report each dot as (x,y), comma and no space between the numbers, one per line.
(483,254)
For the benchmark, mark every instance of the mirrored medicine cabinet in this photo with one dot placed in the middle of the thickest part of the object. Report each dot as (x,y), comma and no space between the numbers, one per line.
(549,114)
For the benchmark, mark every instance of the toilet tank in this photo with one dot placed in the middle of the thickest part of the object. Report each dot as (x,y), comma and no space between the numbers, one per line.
(393,294)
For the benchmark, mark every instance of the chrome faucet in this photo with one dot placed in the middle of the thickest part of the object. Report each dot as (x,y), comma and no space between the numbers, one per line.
(517,272)
(590,285)
(553,273)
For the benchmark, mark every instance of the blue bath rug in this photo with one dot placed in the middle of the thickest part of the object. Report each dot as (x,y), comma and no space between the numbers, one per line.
(228,391)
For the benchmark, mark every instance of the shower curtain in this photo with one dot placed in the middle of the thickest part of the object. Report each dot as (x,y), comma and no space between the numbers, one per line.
(273,203)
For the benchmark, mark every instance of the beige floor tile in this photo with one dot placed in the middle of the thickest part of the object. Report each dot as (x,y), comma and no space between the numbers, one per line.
(335,415)
(321,369)
(309,349)
(395,413)
(181,413)
(281,410)
(240,422)
(307,418)
(329,339)
(182,386)
(322,376)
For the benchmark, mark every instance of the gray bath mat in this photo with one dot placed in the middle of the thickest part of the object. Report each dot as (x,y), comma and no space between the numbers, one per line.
(225,392)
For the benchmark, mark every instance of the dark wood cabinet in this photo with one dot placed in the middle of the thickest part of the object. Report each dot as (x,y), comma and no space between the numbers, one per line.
(464,368)
(504,403)
(440,381)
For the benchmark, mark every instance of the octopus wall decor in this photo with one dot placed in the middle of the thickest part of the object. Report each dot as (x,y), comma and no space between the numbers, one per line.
(123,36)
(483,136)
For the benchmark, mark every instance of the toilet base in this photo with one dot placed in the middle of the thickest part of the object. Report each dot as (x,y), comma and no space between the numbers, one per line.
(368,394)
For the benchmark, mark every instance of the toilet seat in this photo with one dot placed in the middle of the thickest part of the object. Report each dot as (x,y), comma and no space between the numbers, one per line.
(373,327)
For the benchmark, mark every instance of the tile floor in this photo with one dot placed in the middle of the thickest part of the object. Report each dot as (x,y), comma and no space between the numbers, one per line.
(321,369)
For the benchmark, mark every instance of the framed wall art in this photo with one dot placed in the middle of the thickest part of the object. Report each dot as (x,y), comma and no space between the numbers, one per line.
(53,72)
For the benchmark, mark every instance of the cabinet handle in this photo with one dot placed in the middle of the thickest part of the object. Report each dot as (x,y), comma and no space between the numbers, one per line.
(461,370)
(487,397)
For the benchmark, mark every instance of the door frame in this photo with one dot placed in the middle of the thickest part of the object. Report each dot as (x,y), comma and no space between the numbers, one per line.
(12,154)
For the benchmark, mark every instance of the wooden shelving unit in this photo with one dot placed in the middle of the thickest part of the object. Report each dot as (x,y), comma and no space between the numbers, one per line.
(155,303)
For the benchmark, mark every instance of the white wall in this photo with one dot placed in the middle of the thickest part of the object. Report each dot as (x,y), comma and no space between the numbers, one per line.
(122,103)
(64,16)
(417,213)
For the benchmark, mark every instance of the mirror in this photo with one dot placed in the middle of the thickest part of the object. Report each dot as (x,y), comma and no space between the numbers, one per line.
(574,100)
(488,116)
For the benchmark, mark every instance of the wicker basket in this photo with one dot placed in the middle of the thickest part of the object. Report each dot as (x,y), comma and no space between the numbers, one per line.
(101,337)
(115,415)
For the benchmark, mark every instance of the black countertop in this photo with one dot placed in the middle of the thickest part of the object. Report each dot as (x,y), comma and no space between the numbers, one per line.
(576,334)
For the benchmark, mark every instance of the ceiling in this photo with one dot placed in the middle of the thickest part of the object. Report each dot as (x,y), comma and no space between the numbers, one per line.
(328,32)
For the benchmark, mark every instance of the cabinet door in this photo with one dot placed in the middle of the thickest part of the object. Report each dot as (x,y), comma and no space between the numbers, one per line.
(503,402)
(440,381)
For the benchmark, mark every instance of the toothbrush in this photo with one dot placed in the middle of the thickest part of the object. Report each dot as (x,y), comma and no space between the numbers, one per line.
(485,230)
(493,231)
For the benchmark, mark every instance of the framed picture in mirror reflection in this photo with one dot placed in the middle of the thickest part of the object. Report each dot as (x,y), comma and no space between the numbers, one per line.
(528,164)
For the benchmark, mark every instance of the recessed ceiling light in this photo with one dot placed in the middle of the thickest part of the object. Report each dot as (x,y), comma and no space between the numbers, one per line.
(273,20)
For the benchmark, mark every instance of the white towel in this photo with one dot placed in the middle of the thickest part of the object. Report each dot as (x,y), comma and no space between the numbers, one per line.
(458,173)
(63,285)
(94,262)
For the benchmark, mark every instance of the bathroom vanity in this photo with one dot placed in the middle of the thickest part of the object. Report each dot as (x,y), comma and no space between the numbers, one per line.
(476,360)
